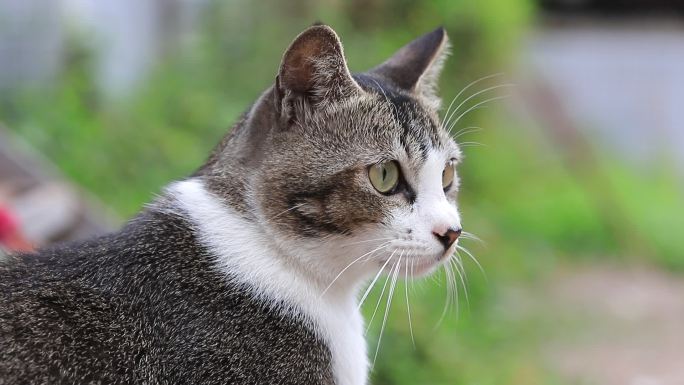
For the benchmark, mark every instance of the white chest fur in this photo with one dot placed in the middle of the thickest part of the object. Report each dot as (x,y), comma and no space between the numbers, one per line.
(241,252)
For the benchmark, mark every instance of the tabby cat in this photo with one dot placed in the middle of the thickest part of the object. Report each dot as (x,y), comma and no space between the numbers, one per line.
(250,270)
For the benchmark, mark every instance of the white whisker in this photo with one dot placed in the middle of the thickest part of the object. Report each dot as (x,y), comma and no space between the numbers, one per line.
(413,286)
(385,95)
(291,208)
(459,262)
(462,279)
(467,235)
(466,144)
(382,246)
(366,241)
(408,307)
(448,300)
(473,258)
(377,304)
(370,287)
(464,89)
(474,107)
(387,307)
(480,93)
(465,131)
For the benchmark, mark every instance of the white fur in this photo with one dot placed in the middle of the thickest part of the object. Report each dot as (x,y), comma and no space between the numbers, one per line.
(320,282)
(242,251)
(434,212)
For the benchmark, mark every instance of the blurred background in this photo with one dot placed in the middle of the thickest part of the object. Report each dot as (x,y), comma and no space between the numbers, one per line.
(574,181)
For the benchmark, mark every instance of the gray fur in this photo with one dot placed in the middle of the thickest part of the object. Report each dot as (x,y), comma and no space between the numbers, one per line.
(147,305)
(144,306)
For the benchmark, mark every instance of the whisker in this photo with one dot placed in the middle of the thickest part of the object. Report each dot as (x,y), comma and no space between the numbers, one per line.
(366,241)
(377,304)
(462,279)
(368,290)
(448,299)
(408,307)
(387,308)
(458,261)
(385,94)
(465,131)
(382,246)
(435,279)
(453,124)
(455,298)
(291,208)
(454,288)
(467,235)
(459,247)
(500,97)
(467,87)
(467,144)
(444,123)
(413,286)
(478,93)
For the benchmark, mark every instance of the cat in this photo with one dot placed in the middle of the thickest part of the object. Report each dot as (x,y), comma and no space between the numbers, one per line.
(249,270)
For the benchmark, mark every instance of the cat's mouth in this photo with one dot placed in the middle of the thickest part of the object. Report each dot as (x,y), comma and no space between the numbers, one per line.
(415,266)
(423,267)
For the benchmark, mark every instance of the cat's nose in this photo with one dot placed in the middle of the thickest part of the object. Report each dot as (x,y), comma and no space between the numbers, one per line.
(448,237)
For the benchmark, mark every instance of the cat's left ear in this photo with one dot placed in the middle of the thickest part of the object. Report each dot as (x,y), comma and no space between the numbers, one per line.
(417,65)
(314,70)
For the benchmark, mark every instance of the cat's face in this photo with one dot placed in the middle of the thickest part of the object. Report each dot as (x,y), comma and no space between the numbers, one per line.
(359,176)
(372,173)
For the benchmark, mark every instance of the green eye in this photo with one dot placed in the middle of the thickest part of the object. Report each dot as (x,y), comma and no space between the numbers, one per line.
(384,176)
(448,175)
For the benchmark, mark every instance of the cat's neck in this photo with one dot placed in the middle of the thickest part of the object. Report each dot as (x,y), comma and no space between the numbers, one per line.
(244,249)
(227,170)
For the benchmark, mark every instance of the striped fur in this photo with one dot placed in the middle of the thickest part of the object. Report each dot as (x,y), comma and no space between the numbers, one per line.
(249,270)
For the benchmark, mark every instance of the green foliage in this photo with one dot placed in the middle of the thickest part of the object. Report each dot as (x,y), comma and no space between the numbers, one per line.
(520,193)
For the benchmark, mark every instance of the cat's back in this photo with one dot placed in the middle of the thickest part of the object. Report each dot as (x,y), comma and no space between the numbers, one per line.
(144,305)
(56,327)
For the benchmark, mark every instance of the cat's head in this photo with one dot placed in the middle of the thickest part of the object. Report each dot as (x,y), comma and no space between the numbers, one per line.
(341,169)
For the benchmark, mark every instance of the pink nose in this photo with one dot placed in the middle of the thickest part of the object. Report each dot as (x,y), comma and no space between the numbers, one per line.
(448,237)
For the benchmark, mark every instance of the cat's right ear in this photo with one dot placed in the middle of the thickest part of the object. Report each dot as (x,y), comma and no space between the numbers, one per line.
(313,73)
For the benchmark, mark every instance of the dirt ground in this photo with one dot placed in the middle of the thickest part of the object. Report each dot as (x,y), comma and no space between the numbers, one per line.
(625,326)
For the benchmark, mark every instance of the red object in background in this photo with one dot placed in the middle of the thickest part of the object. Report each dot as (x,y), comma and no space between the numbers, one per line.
(10,233)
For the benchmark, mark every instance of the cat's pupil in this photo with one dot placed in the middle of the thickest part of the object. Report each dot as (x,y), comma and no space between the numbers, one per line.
(384,173)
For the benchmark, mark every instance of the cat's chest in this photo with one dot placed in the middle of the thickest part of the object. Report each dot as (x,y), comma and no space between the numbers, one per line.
(342,328)
(242,254)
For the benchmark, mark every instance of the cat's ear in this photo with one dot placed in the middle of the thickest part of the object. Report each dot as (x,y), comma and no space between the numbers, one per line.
(417,65)
(314,69)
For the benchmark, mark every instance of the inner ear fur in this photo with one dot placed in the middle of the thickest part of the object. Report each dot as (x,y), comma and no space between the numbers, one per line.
(314,68)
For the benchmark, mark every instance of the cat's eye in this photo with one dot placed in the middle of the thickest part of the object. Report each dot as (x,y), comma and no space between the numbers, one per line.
(384,176)
(448,175)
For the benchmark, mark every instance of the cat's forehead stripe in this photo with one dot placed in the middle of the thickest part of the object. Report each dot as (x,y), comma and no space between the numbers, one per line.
(419,133)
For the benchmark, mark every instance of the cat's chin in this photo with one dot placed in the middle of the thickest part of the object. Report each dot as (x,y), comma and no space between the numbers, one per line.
(422,268)
(419,266)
